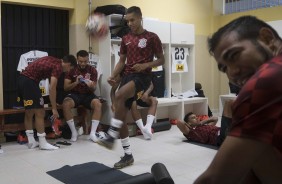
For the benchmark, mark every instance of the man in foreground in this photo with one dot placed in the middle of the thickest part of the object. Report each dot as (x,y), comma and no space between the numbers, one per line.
(249,51)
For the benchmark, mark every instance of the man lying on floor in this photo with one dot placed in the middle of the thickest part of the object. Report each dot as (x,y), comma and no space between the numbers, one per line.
(205,131)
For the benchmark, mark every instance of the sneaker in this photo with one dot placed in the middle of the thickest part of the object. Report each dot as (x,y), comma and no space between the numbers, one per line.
(22,139)
(80,131)
(107,141)
(56,123)
(126,160)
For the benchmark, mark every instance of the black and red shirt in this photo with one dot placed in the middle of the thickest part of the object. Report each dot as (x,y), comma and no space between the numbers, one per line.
(89,72)
(44,68)
(257,111)
(139,49)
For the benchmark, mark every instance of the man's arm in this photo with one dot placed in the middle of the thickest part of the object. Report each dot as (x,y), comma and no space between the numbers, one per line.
(237,157)
(209,121)
(53,95)
(68,85)
(117,70)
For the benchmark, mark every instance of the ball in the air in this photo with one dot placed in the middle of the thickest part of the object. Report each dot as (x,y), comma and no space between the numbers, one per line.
(97,26)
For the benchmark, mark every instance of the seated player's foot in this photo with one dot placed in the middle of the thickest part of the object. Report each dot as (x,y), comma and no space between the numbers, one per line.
(80,131)
(32,145)
(97,135)
(107,141)
(93,137)
(48,146)
(74,136)
(147,133)
(125,161)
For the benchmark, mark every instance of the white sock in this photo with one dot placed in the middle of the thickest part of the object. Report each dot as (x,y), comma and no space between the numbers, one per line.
(94,126)
(147,132)
(74,133)
(140,124)
(126,145)
(114,129)
(43,144)
(150,121)
(32,143)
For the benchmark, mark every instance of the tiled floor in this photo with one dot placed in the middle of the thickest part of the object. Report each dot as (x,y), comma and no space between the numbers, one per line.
(184,161)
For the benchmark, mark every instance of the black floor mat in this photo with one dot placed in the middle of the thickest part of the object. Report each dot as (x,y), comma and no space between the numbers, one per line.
(91,172)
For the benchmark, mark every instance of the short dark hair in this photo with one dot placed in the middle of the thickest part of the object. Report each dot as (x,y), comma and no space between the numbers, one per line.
(82,53)
(134,9)
(70,59)
(247,27)
(186,117)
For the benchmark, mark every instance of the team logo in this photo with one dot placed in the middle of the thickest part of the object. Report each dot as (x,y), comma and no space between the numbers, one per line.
(140,94)
(87,76)
(142,43)
(28,102)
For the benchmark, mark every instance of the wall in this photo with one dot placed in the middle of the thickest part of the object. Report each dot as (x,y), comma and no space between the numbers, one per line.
(61,4)
(266,14)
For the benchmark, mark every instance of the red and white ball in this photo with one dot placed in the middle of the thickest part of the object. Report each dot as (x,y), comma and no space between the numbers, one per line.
(97,26)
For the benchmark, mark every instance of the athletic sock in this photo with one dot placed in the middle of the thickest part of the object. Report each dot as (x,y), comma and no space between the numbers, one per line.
(94,126)
(43,144)
(148,126)
(32,143)
(126,146)
(74,133)
(140,124)
(114,128)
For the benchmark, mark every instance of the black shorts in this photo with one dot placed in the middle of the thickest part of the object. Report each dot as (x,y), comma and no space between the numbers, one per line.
(29,92)
(142,83)
(82,99)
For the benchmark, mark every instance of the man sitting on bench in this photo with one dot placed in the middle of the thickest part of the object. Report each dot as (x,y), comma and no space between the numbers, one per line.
(81,83)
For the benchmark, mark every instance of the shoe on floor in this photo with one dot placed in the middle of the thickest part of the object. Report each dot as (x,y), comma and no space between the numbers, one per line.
(107,141)
(125,161)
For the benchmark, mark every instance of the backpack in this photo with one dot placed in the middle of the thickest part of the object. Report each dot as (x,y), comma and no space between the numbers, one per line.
(111,9)
(116,30)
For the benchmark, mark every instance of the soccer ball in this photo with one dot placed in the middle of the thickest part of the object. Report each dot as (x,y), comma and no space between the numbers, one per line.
(97,26)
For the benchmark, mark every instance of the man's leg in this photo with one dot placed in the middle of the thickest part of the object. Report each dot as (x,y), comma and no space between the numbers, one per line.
(122,95)
(40,127)
(127,159)
(28,122)
(68,104)
(153,102)
(96,107)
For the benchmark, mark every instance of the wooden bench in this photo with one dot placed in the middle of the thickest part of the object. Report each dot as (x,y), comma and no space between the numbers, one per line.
(13,127)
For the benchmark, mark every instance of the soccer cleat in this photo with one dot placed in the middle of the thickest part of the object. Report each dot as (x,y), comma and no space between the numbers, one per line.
(107,141)
(125,161)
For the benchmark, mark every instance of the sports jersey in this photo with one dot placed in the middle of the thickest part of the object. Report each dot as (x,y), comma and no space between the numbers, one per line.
(28,58)
(179,59)
(43,68)
(115,51)
(206,134)
(139,49)
(89,72)
(94,61)
(257,111)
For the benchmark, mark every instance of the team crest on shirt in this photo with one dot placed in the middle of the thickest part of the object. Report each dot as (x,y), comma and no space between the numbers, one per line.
(87,76)
(142,43)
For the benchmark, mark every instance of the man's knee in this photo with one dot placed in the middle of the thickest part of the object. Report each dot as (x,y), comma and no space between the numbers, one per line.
(68,103)
(96,104)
